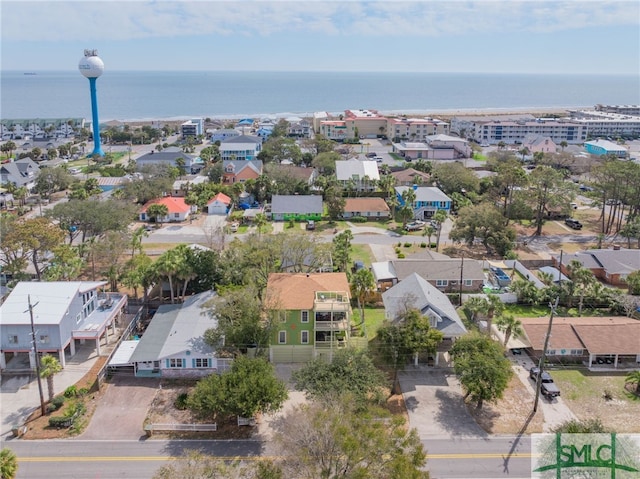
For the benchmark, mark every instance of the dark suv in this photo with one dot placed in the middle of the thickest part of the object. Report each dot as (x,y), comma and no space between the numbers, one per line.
(548,388)
(572,223)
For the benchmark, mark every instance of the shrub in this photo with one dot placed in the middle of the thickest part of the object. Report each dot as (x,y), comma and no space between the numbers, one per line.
(358,219)
(399,244)
(70,392)
(423,245)
(181,401)
(83,391)
(400,255)
(407,245)
(57,401)
(60,421)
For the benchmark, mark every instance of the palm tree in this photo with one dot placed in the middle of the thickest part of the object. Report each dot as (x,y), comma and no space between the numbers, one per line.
(169,264)
(407,212)
(49,367)
(157,212)
(546,278)
(429,231)
(563,144)
(440,216)
(495,307)
(633,378)
(476,305)
(524,151)
(8,464)
(362,283)
(582,278)
(261,222)
(510,326)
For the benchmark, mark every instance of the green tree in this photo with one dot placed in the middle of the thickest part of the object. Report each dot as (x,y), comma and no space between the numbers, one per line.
(335,202)
(65,265)
(248,388)
(408,198)
(548,191)
(362,283)
(575,426)
(325,162)
(50,180)
(157,212)
(633,378)
(481,367)
(342,250)
(135,272)
(34,237)
(476,305)
(240,319)
(418,334)
(633,282)
(169,265)
(9,147)
(350,372)
(340,439)
(440,216)
(8,463)
(483,222)
(454,176)
(196,465)
(582,279)
(261,222)
(510,326)
(49,367)
(526,291)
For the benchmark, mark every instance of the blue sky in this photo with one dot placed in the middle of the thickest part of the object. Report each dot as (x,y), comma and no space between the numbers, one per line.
(542,36)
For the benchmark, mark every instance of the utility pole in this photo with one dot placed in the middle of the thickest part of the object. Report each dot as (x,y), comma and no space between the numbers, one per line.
(35,352)
(544,354)
(461,276)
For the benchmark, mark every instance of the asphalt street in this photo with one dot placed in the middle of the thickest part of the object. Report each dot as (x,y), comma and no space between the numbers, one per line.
(471,458)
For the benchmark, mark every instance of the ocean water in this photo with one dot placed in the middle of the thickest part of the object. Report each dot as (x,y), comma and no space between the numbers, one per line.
(142,95)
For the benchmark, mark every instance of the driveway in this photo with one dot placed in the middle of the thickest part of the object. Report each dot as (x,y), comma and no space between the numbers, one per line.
(434,403)
(122,409)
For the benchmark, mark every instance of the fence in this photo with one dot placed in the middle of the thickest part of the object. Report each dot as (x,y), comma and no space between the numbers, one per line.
(149,429)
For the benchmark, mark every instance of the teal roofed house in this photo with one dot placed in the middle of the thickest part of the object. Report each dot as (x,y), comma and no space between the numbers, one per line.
(605,147)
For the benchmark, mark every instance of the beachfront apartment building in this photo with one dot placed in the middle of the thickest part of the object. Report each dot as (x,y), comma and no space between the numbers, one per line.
(192,128)
(415,129)
(353,124)
(578,127)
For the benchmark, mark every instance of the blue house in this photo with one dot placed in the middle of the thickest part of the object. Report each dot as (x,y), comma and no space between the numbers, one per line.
(604,147)
(429,199)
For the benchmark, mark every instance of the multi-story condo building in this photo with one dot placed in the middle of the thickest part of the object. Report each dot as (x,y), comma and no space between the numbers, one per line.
(415,129)
(194,128)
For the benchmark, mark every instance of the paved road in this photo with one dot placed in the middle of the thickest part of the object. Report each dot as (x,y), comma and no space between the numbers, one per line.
(502,456)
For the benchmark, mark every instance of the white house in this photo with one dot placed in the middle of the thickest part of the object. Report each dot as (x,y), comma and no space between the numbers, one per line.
(360,174)
(65,314)
(177,209)
(219,204)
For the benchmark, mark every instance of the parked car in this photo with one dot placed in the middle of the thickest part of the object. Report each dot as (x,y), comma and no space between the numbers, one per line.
(549,389)
(573,223)
(371,154)
(414,226)
(311,225)
(234,227)
(378,159)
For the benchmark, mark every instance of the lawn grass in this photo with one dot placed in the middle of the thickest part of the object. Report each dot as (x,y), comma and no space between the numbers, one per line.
(373,319)
(527,311)
(362,252)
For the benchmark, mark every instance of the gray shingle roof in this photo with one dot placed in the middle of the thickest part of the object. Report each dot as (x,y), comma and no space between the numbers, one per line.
(432,270)
(18,171)
(416,292)
(299,204)
(176,328)
(242,139)
(622,261)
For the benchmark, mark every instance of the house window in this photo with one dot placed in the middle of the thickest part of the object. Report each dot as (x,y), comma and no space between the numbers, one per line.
(282,337)
(551,352)
(304,316)
(176,363)
(442,282)
(576,352)
(201,362)
(176,215)
(13,339)
(44,339)
(468,282)
(304,337)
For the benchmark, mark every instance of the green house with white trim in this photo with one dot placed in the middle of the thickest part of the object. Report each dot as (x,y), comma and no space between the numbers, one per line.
(312,315)
(296,207)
